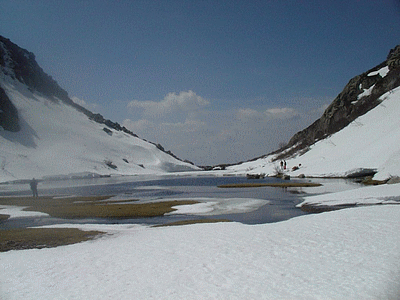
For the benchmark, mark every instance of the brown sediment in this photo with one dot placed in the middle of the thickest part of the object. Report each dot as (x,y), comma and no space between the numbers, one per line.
(189,222)
(30,238)
(281,185)
(94,207)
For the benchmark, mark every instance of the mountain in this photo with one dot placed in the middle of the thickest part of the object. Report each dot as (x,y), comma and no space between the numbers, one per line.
(361,94)
(44,133)
(358,134)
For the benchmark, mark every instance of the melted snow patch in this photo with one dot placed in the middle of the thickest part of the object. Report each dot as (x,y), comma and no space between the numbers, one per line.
(218,206)
(365,93)
(18,212)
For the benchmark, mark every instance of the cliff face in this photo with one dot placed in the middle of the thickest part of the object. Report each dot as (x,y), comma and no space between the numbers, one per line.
(359,96)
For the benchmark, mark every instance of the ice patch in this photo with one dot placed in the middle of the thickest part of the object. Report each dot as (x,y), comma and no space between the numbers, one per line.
(219,206)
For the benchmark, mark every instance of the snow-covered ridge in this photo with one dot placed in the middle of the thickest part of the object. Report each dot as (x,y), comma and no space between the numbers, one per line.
(44,134)
(57,139)
(371,142)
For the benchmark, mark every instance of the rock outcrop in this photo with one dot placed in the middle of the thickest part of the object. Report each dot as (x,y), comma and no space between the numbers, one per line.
(8,113)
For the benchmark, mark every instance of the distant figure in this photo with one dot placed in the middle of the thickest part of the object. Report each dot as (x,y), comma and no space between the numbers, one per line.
(33,185)
(284,164)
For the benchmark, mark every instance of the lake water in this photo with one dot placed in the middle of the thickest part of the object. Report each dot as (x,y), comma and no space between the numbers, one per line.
(272,204)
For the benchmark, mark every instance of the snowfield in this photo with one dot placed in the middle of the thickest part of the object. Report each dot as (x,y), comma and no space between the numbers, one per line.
(382,194)
(347,254)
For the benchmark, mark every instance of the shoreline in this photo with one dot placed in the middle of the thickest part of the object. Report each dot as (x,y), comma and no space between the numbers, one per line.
(89,206)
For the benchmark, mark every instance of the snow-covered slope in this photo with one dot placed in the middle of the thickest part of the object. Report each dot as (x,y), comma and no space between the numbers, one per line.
(56,139)
(346,254)
(372,141)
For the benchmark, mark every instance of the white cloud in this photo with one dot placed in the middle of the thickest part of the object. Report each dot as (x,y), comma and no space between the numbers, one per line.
(184,101)
(187,126)
(192,128)
(282,113)
(248,113)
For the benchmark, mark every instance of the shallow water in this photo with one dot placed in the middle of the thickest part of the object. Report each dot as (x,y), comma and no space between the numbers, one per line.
(279,203)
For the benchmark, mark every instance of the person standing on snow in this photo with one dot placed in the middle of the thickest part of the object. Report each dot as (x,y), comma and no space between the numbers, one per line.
(34,185)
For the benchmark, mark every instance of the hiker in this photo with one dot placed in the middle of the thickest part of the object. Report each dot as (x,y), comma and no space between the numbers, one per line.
(284,164)
(33,185)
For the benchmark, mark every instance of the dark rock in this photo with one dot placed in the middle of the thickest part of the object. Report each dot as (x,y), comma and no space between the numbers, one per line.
(360,173)
(255,176)
(110,164)
(8,113)
(108,131)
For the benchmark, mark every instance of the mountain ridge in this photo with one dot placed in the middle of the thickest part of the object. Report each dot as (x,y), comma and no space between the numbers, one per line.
(33,120)
(350,104)
(358,135)
(28,71)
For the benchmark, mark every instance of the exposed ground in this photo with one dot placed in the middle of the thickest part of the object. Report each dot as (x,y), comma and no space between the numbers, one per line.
(281,185)
(93,207)
(74,208)
(189,222)
(29,238)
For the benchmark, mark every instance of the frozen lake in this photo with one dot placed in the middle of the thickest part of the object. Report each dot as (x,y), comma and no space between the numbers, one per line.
(246,205)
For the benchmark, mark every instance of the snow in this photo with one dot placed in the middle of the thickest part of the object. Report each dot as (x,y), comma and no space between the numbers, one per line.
(218,206)
(346,254)
(365,93)
(56,140)
(382,194)
(381,72)
(18,212)
(372,141)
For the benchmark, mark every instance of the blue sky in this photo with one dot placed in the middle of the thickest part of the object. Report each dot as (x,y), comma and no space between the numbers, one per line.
(212,81)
